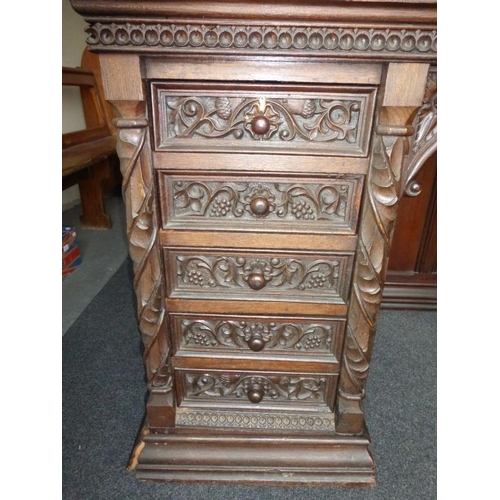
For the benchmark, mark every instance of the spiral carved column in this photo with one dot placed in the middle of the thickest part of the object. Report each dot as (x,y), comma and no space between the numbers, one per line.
(142,230)
(398,152)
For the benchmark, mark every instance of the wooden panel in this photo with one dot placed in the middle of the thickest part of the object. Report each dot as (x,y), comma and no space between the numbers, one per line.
(221,362)
(405,84)
(260,203)
(223,306)
(121,77)
(411,281)
(257,337)
(306,13)
(262,70)
(314,120)
(257,241)
(413,220)
(258,276)
(240,163)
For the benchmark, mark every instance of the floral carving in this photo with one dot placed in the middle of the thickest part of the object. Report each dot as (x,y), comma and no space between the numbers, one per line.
(235,386)
(310,337)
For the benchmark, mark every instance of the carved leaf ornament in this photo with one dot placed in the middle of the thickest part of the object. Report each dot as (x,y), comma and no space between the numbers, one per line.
(283,201)
(317,120)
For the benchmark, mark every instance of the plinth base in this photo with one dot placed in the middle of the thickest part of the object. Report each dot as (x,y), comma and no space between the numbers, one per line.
(256,459)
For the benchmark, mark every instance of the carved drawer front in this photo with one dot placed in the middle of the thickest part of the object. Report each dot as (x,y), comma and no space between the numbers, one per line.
(312,119)
(256,336)
(313,205)
(242,389)
(205,274)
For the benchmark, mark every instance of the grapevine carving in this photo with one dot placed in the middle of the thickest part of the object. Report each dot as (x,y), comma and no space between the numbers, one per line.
(316,120)
(275,335)
(235,386)
(230,272)
(296,202)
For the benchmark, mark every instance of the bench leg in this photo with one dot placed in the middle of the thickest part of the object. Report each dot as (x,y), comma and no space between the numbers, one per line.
(91,194)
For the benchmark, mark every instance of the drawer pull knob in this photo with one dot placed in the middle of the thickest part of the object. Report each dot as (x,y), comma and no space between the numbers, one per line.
(255,394)
(259,205)
(260,125)
(256,343)
(256,281)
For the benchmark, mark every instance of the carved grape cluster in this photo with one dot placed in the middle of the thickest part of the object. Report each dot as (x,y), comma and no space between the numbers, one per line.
(221,207)
(302,210)
(316,280)
(199,338)
(313,342)
(195,277)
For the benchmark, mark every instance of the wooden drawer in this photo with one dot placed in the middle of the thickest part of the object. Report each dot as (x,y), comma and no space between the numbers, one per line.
(258,276)
(322,205)
(255,389)
(314,119)
(257,337)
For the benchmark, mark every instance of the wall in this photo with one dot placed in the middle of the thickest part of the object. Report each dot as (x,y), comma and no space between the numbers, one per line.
(73,45)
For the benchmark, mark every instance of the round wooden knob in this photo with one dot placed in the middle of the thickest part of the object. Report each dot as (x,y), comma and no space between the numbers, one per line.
(255,394)
(260,125)
(259,205)
(256,344)
(256,281)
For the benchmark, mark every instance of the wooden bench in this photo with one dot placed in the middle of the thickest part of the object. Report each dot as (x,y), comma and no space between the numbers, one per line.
(89,156)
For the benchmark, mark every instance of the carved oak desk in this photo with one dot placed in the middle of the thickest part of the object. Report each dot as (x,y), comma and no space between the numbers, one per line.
(264,147)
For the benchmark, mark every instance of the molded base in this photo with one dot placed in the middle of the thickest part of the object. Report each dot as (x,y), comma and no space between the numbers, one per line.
(256,459)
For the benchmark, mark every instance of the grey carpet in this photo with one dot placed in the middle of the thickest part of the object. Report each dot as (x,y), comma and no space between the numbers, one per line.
(104,394)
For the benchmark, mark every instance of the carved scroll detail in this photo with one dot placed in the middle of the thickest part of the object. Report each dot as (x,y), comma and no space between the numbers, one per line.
(169,37)
(296,202)
(309,337)
(235,386)
(424,142)
(315,120)
(142,230)
(229,272)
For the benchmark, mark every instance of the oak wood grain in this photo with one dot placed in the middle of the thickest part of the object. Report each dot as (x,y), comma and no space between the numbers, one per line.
(237,119)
